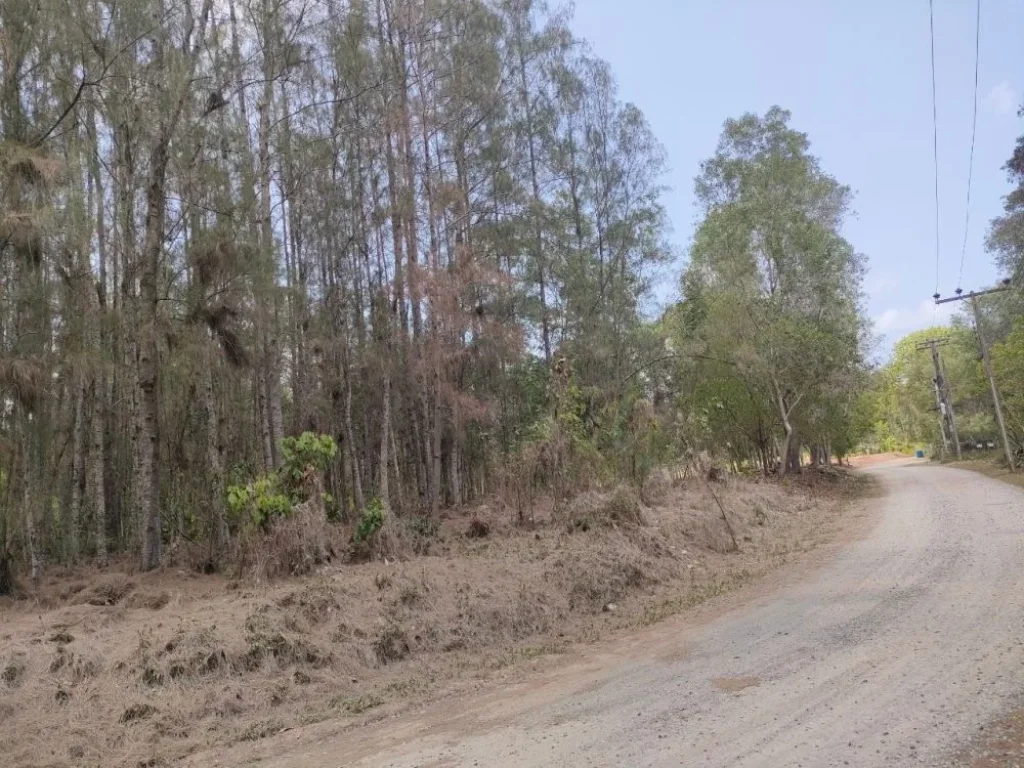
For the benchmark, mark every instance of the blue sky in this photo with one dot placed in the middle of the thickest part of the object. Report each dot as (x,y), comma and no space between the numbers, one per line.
(857,78)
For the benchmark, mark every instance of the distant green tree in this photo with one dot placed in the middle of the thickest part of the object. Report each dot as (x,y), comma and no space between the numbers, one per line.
(772,292)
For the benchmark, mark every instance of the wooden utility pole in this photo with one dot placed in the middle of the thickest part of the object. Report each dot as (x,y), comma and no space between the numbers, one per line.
(986,361)
(950,412)
(943,400)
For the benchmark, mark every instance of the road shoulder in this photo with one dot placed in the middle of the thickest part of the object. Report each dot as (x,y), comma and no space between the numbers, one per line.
(477,704)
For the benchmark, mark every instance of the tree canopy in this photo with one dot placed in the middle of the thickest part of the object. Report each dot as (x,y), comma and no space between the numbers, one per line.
(380,258)
(771,307)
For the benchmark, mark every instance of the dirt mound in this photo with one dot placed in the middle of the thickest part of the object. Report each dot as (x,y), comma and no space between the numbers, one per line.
(602,509)
(109,590)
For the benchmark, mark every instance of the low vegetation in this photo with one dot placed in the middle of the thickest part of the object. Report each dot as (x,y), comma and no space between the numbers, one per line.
(146,668)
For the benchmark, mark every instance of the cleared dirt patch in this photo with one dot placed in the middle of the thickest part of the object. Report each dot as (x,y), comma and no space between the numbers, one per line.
(164,665)
(735,684)
(1000,744)
(870,459)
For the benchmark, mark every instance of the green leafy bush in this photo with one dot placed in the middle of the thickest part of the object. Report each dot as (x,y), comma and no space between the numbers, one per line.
(370,521)
(274,495)
(261,501)
(305,451)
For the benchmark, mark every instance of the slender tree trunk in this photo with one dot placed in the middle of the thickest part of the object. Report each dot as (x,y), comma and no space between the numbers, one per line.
(78,443)
(97,343)
(274,396)
(218,521)
(435,446)
(385,491)
(537,201)
(148,468)
(148,460)
(399,495)
(455,478)
(97,483)
(263,409)
(31,533)
(788,440)
(357,482)
(269,299)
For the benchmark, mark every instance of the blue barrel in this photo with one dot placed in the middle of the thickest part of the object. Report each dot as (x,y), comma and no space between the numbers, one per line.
(919,454)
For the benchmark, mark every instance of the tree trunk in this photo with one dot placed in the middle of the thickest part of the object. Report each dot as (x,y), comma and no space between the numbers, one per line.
(454,473)
(97,482)
(537,201)
(263,408)
(269,300)
(399,495)
(78,443)
(274,396)
(435,446)
(385,492)
(33,554)
(787,446)
(357,482)
(218,521)
(147,468)
(793,455)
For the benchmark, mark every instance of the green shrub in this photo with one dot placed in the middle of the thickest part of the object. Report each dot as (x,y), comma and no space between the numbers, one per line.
(305,451)
(261,501)
(370,521)
(274,495)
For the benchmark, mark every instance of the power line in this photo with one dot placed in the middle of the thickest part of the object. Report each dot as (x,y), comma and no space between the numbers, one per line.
(974,133)
(935,139)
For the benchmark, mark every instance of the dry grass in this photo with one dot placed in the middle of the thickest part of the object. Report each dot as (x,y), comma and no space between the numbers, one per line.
(993,467)
(144,669)
(294,546)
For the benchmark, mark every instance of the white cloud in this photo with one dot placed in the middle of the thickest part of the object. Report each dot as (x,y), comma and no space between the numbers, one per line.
(877,284)
(899,320)
(1002,99)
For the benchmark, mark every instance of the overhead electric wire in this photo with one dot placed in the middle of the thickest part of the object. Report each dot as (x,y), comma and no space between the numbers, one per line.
(974,133)
(935,139)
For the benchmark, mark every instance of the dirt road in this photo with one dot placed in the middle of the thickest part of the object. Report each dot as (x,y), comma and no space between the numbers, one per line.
(896,652)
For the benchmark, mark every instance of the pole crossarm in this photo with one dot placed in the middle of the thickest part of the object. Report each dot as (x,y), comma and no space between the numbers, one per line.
(970,294)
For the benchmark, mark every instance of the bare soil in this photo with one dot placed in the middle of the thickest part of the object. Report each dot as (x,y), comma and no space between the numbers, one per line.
(896,644)
(871,459)
(125,669)
(999,744)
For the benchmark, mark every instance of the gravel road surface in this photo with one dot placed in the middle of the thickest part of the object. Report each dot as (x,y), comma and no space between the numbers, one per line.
(896,652)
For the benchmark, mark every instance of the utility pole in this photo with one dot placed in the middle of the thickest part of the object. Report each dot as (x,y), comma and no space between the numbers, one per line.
(949,404)
(986,361)
(943,400)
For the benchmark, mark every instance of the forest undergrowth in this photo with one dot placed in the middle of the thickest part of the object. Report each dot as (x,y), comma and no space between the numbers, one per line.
(127,668)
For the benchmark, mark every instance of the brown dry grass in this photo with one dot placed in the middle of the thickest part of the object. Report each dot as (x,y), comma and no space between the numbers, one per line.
(125,669)
(991,467)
